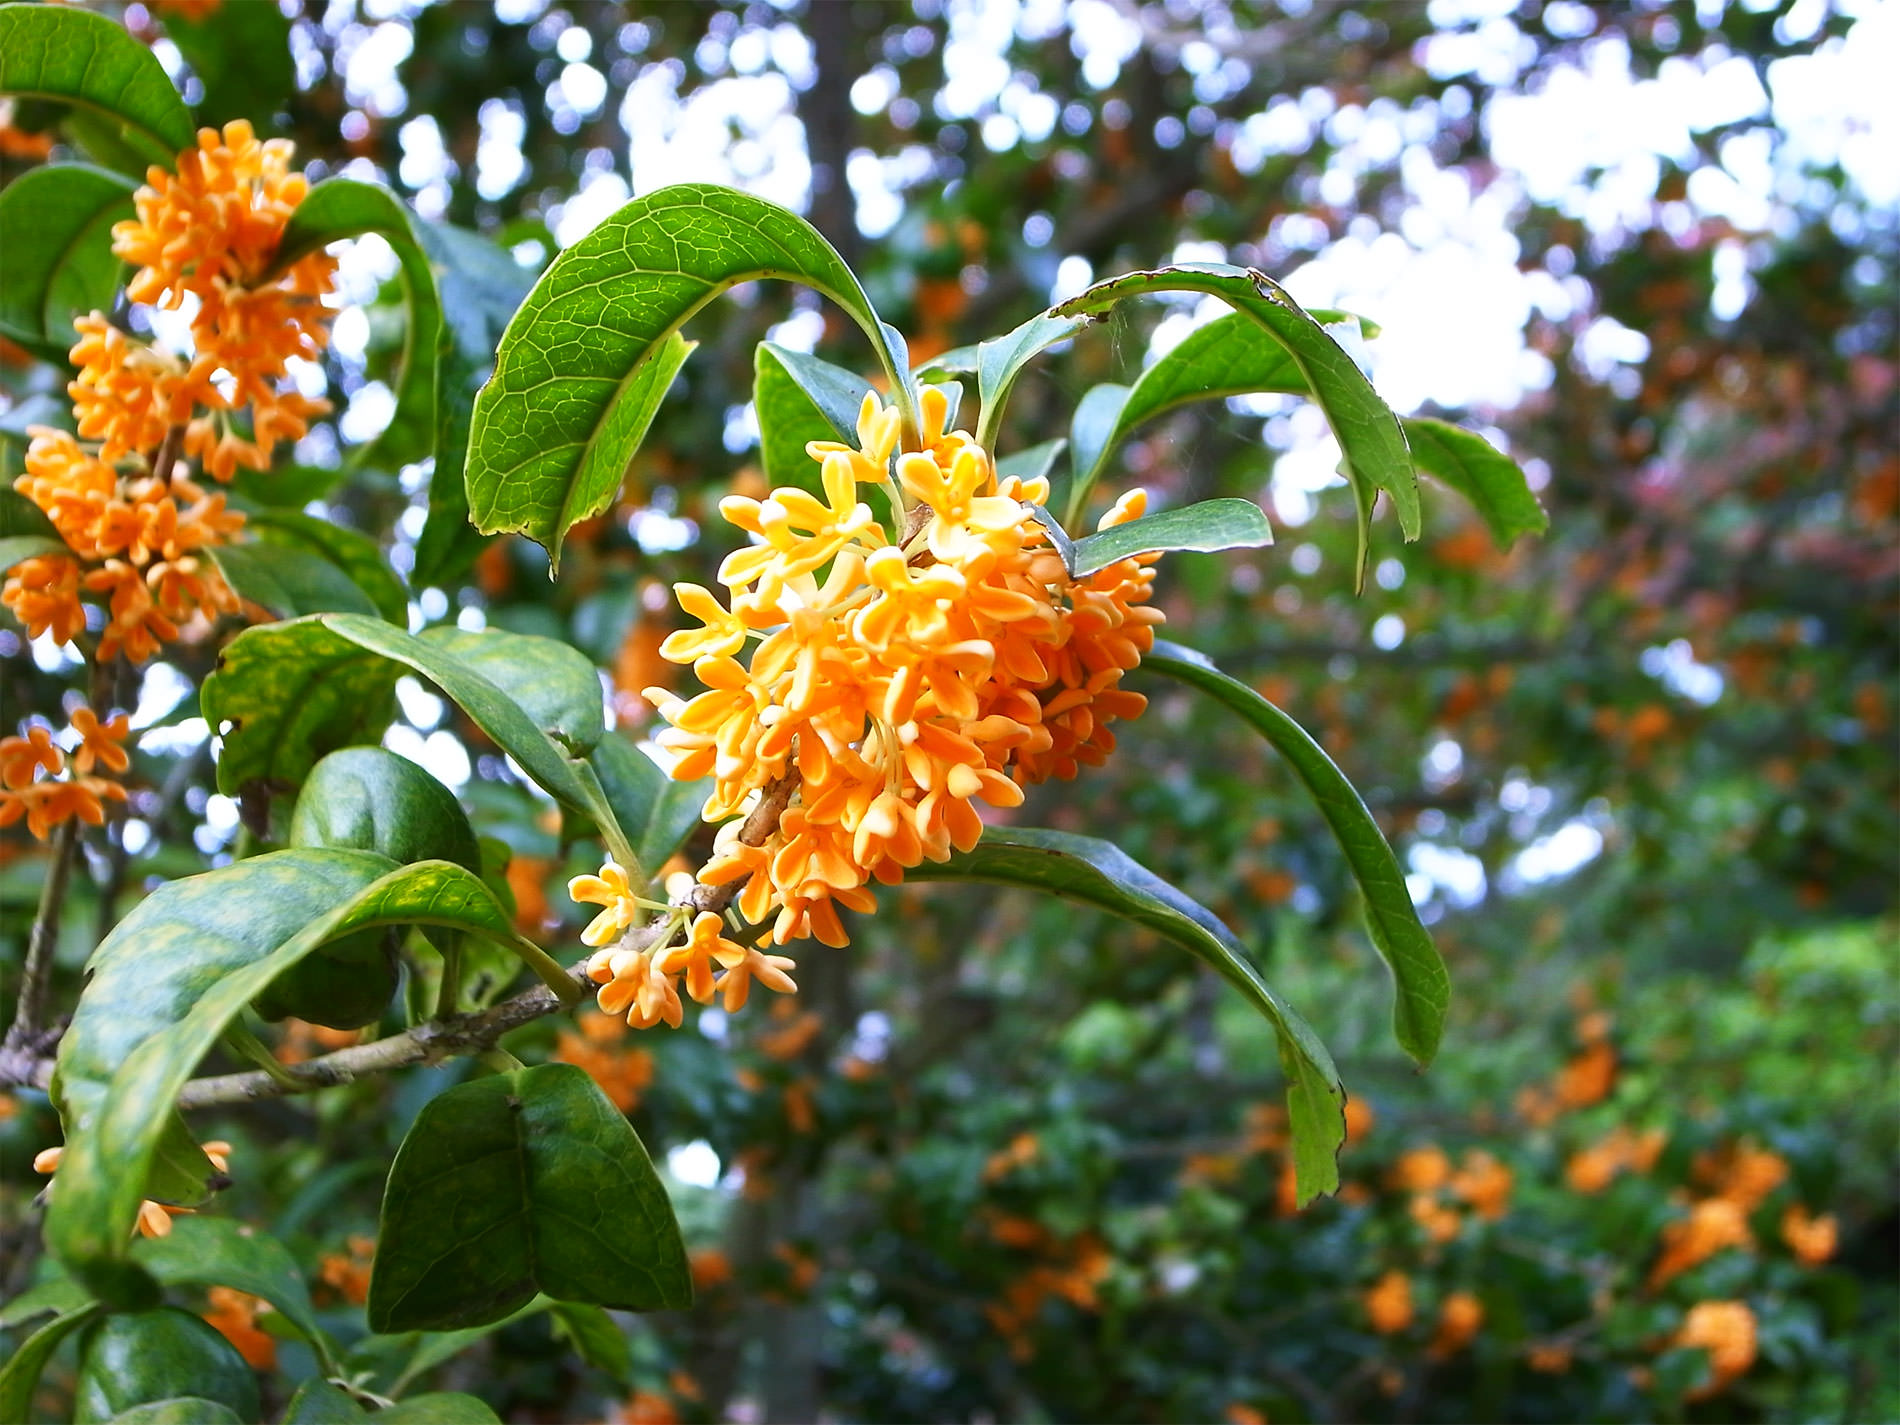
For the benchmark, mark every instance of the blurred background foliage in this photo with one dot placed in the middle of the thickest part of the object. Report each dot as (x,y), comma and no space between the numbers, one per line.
(1002,1160)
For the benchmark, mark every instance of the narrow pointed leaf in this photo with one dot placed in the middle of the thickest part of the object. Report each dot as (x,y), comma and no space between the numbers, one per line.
(1100,874)
(1492,481)
(1208,526)
(657,812)
(72,56)
(1376,456)
(481,288)
(1091,432)
(1032,462)
(56,231)
(170,978)
(1422,987)
(552,434)
(20,1376)
(525,1182)
(801,399)
(1001,361)
(340,208)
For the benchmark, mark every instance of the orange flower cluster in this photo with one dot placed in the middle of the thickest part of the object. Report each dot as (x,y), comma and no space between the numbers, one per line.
(939,664)
(1592,1169)
(1713,1225)
(1460,1316)
(1726,1330)
(155,1218)
(1812,1239)
(30,767)
(1388,1303)
(1074,1268)
(623,1073)
(347,1273)
(204,239)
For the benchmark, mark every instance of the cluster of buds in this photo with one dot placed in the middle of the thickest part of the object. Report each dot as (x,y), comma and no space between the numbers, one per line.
(898,676)
(31,767)
(119,493)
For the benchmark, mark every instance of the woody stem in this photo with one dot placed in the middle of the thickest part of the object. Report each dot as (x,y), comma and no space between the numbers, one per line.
(29,1031)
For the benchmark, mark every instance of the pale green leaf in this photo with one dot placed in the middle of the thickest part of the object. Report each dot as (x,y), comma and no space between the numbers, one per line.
(1207,526)
(1492,481)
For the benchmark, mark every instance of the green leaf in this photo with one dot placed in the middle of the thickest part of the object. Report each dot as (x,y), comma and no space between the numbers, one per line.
(241,54)
(1091,433)
(317,1402)
(1000,361)
(571,395)
(72,56)
(959,361)
(288,487)
(801,399)
(438,1408)
(551,681)
(59,1294)
(16,548)
(215,1251)
(179,1410)
(288,581)
(285,694)
(341,208)
(367,799)
(56,230)
(598,1338)
(1208,526)
(1376,456)
(20,1376)
(165,1354)
(350,550)
(1032,462)
(1491,481)
(169,979)
(1423,989)
(1100,874)
(481,287)
(527,1181)
(657,812)
(433,1348)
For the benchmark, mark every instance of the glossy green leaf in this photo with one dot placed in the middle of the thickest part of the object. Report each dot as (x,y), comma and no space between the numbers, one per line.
(1097,873)
(350,550)
(241,55)
(551,681)
(801,399)
(562,416)
(317,1402)
(1091,432)
(1492,481)
(1000,361)
(438,1408)
(368,799)
(435,1348)
(215,1251)
(285,694)
(56,231)
(481,288)
(288,581)
(527,1181)
(170,978)
(180,1410)
(1376,456)
(165,1354)
(657,812)
(75,57)
(20,1376)
(1208,526)
(1422,987)
(340,208)
(287,487)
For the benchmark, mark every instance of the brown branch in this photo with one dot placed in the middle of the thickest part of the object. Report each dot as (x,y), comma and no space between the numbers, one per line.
(29,1036)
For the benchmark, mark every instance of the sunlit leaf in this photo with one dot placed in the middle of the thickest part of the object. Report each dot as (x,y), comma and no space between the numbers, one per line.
(1422,988)
(1000,361)
(1492,481)
(1208,526)
(574,381)
(75,57)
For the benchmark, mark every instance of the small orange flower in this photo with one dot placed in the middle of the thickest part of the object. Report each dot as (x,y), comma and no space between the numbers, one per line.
(100,742)
(234,1314)
(43,594)
(348,1272)
(1726,1330)
(1484,1184)
(1388,1303)
(23,757)
(1812,1239)
(154,1218)
(1421,1170)
(1713,1225)
(1459,1319)
(610,890)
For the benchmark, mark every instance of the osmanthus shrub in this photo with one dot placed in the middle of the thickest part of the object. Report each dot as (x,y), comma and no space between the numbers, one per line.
(920,626)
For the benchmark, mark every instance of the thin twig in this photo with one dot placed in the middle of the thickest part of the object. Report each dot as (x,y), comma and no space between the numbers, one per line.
(29,1032)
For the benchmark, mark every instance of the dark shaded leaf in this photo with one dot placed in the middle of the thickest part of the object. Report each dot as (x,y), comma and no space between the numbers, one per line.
(288,581)
(215,1251)
(439,1408)
(20,1376)
(241,54)
(56,231)
(527,1181)
(801,399)
(350,550)
(367,799)
(317,1402)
